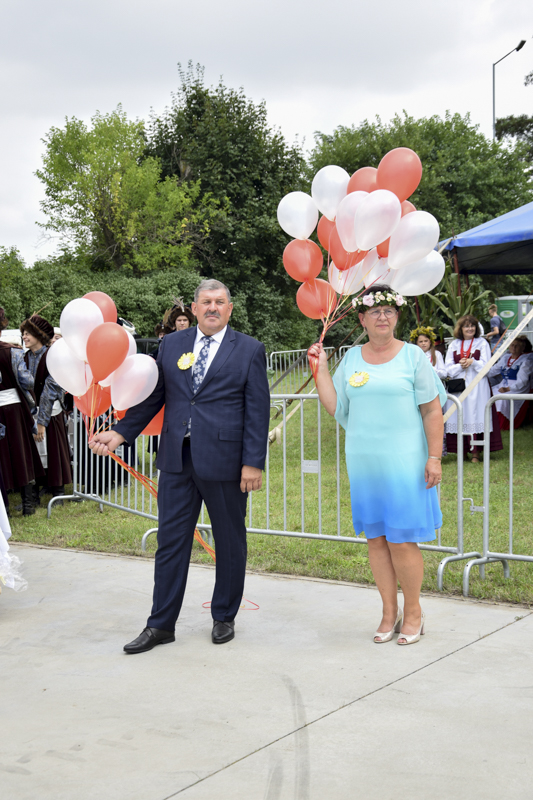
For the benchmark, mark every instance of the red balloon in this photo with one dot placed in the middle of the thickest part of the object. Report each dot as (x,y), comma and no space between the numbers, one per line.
(323,231)
(383,248)
(105,304)
(95,401)
(107,347)
(154,427)
(407,207)
(400,171)
(341,257)
(303,259)
(316,299)
(364,180)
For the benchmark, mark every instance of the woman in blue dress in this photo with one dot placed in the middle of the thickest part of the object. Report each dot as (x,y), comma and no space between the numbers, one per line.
(388,398)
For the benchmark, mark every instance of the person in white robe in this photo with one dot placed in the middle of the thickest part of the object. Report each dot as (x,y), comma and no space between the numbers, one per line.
(466,356)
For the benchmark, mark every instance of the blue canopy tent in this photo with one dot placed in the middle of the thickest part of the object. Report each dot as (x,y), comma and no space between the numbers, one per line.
(502,246)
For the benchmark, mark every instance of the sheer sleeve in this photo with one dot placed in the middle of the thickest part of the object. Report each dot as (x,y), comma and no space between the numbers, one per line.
(343,404)
(427,383)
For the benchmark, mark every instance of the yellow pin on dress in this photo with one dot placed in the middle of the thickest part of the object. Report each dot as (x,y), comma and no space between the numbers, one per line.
(358,379)
(186,361)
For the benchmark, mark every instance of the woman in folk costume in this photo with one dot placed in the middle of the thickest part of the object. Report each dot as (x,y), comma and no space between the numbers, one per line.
(19,459)
(466,357)
(424,337)
(36,333)
(512,373)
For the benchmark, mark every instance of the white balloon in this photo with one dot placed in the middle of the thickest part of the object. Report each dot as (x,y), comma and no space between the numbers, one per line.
(134,381)
(78,320)
(379,275)
(376,218)
(298,215)
(347,281)
(368,262)
(69,371)
(132,350)
(346,217)
(420,276)
(414,238)
(329,186)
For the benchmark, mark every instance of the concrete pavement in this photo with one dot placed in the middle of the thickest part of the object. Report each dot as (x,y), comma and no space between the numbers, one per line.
(302,705)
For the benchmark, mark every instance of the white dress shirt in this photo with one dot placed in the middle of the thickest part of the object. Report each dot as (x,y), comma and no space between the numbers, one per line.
(213,347)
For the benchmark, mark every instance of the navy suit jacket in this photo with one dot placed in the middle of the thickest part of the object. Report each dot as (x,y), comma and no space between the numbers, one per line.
(229,414)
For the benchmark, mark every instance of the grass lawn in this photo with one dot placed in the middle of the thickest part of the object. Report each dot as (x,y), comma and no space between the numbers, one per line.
(82,526)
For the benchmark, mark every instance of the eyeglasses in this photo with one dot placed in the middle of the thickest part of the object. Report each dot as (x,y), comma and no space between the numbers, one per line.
(377,312)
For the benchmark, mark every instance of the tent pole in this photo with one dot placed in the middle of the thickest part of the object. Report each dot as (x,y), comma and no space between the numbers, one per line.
(456,266)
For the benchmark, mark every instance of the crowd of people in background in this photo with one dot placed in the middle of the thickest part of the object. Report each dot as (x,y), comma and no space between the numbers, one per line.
(466,355)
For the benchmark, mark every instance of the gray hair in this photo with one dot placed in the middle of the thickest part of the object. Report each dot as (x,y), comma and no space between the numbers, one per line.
(211,286)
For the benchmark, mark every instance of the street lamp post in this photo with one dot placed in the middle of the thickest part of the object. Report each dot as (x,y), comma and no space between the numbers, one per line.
(514,50)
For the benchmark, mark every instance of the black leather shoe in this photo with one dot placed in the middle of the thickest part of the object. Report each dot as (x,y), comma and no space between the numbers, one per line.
(148,639)
(222,631)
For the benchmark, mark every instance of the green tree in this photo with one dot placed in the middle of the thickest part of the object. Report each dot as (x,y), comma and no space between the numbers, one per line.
(107,201)
(467,179)
(220,138)
(12,271)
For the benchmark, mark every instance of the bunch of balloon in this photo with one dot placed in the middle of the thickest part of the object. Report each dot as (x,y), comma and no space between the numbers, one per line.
(96,359)
(369,229)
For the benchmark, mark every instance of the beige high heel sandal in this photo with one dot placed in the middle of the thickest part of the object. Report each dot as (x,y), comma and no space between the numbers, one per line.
(381,638)
(414,637)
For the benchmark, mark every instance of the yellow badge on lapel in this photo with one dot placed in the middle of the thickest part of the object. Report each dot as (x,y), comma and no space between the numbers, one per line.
(359,379)
(186,361)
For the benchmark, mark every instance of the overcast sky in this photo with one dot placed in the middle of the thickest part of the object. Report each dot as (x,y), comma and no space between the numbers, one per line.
(317,64)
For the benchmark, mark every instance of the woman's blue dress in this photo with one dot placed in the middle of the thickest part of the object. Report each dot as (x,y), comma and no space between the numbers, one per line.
(386,447)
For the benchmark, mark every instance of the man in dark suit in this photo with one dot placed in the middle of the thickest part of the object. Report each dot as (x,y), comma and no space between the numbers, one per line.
(213,384)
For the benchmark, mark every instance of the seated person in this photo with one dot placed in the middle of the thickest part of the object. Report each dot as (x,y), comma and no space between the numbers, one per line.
(512,374)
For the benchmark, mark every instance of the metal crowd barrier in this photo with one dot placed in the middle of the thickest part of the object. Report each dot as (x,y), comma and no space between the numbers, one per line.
(300,499)
(289,369)
(488,556)
(105,482)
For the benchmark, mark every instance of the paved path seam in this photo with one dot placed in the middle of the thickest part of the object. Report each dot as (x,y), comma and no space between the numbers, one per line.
(346,705)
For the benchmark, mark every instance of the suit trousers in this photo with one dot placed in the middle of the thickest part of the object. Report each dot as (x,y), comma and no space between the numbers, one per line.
(180,498)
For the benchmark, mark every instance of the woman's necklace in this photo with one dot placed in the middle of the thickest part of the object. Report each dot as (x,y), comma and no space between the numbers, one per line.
(511,360)
(466,354)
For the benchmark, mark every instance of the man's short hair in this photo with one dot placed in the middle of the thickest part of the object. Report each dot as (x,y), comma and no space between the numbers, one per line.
(211,286)
(493,308)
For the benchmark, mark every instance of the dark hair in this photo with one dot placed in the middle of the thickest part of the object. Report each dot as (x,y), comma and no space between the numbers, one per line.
(376,287)
(461,322)
(170,321)
(524,341)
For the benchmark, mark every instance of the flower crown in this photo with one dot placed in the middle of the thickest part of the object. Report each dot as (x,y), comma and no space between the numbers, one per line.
(423,331)
(379,299)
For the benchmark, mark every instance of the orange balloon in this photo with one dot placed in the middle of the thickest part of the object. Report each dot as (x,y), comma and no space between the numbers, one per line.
(341,257)
(407,207)
(383,248)
(154,427)
(107,347)
(323,231)
(105,304)
(364,180)
(303,259)
(316,299)
(95,401)
(400,171)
